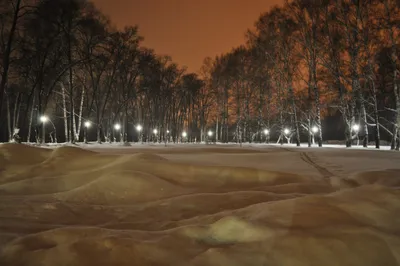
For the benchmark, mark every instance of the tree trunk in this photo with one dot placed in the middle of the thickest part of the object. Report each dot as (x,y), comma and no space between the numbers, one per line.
(294,110)
(16,111)
(310,133)
(216,131)
(10,132)
(31,119)
(78,132)
(65,114)
(318,115)
(74,124)
(365,124)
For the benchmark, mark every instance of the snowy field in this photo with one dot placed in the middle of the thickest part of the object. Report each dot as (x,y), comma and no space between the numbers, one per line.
(336,159)
(198,204)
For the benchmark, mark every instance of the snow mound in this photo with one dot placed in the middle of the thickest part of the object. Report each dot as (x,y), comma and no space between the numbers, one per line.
(219,176)
(121,187)
(148,157)
(70,206)
(336,229)
(390,178)
(21,154)
(70,152)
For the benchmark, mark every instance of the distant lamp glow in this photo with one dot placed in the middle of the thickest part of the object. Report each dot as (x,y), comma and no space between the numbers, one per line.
(139,128)
(314,129)
(167,131)
(184,134)
(155,131)
(356,127)
(87,124)
(117,126)
(266,131)
(286,131)
(210,133)
(44,119)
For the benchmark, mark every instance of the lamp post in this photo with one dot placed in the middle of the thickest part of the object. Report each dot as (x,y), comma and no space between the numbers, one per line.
(286,133)
(266,133)
(166,137)
(184,135)
(356,129)
(139,129)
(43,119)
(209,135)
(87,124)
(314,130)
(117,128)
(155,132)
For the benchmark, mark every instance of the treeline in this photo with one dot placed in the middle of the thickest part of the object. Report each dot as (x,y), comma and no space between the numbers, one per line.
(63,60)
(304,60)
(308,59)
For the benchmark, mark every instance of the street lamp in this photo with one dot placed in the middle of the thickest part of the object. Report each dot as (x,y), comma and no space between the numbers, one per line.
(184,135)
(43,119)
(314,129)
(139,129)
(87,124)
(155,131)
(356,128)
(167,131)
(210,133)
(266,133)
(117,128)
(286,131)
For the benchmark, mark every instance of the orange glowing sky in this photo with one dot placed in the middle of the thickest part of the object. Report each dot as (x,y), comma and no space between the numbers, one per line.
(188,30)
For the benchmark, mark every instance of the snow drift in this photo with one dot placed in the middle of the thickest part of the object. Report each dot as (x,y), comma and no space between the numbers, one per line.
(71,206)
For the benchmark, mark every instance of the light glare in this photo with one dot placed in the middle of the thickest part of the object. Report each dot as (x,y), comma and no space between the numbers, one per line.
(87,124)
(139,128)
(43,118)
(286,131)
(184,134)
(314,129)
(210,133)
(117,126)
(356,127)
(266,131)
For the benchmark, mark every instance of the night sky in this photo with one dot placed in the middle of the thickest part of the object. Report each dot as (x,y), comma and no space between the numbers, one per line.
(188,30)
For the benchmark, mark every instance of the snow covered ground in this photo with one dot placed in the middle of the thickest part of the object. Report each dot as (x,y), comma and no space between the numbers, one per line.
(336,159)
(198,204)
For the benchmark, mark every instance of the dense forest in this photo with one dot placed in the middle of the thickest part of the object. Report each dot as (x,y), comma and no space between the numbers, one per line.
(67,74)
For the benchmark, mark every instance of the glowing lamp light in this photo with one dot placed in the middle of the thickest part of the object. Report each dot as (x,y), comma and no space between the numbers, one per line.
(286,131)
(210,133)
(356,127)
(266,131)
(314,129)
(167,131)
(139,128)
(43,119)
(117,127)
(155,131)
(184,134)
(87,124)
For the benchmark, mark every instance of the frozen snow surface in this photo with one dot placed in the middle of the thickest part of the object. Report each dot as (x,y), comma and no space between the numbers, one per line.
(198,204)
